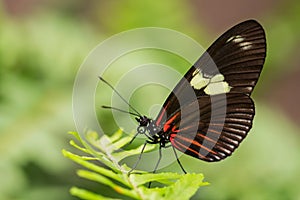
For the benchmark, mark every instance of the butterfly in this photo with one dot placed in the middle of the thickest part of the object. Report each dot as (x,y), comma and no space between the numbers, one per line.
(210,111)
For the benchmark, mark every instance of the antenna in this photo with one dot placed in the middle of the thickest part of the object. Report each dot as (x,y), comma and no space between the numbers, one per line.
(124,111)
(136,114)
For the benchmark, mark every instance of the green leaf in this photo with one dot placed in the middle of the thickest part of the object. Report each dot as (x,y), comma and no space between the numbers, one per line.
(85,194)
(106,181)
(185,187)
(116,136)
(136,151)
(140,179)
(106,151)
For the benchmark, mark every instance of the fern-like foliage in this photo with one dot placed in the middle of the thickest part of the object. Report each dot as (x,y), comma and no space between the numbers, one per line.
(114,175)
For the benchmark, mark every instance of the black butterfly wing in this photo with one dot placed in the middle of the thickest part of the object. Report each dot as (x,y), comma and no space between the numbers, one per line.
(239,55)
(226,73)
(219,132)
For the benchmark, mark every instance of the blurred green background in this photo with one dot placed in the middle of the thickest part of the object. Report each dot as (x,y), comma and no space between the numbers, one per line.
(43,43)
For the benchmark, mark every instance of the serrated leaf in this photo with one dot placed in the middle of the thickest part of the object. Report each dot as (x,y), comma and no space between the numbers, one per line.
(116,136)
(123,154)
(175,186)
(87,195)
(102,179)
(140,179)
(185,187)
(93,167)
(121,143)
(74,144)
(75,134)
(152,193)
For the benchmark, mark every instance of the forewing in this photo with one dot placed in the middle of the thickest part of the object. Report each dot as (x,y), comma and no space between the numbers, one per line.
(238,56)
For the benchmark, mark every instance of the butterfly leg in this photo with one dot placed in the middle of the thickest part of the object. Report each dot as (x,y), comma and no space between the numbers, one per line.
(133,137)
(156,166)
(178,161)
(139,158)
(159,158)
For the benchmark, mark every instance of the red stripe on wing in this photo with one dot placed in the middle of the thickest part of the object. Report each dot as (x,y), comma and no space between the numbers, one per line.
(167,125)
(161,114)
(191,142)
(184,148)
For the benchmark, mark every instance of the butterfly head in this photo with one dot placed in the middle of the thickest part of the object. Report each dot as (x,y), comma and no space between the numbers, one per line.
(148,127)
(143,120)
(143,124)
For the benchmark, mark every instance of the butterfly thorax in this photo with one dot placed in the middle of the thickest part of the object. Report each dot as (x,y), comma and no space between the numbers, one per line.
(152,131)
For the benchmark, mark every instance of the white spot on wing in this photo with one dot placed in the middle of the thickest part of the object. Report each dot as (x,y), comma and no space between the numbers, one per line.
(235,39)
(217,88)
(217,78)
(229,39)
(195,72)
(198,81)
(245,45)
(212,86)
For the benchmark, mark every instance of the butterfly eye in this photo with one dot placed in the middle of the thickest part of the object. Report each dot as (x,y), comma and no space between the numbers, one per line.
(141,129)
